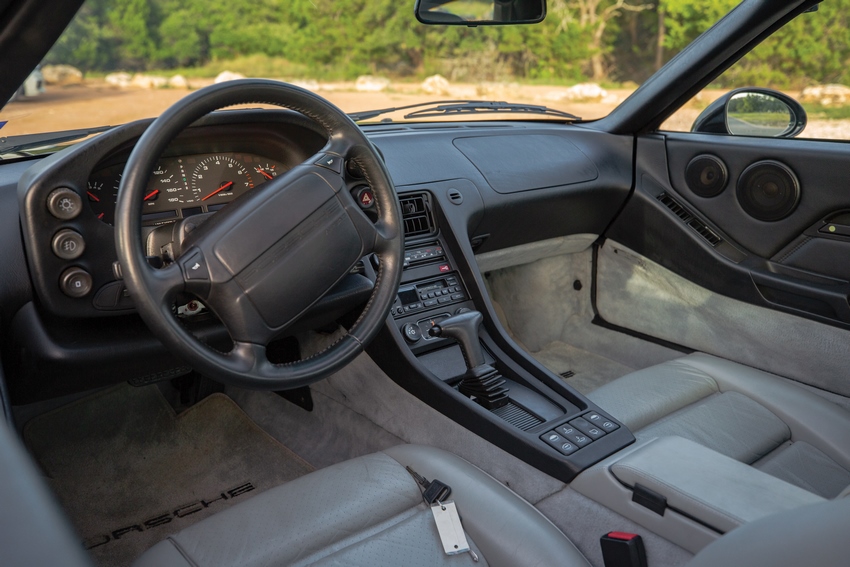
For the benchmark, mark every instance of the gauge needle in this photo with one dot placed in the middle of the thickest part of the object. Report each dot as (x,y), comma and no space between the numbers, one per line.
(93,196)
(151,195)
(220,189)
(264,174)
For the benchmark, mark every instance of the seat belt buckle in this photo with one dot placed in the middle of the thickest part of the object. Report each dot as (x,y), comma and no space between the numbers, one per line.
(621,549)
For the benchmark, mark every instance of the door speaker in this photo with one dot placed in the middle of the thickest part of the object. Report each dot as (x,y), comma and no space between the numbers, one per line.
(706,175)
(768,191)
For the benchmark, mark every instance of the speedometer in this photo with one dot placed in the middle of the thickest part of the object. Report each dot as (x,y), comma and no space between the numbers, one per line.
(219,179)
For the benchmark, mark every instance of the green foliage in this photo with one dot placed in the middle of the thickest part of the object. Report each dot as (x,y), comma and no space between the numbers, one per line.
(340,39)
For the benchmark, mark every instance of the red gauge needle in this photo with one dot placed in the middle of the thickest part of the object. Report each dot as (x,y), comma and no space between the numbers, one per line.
(219,190)
(151,195)
(264,174)
(93,196)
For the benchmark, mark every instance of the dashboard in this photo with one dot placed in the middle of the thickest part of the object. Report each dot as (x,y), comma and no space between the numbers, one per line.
(451,212)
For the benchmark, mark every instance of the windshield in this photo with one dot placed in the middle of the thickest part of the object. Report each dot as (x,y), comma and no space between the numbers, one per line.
(121,60)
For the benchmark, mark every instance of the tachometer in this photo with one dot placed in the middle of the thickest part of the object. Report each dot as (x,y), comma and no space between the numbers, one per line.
(219,179)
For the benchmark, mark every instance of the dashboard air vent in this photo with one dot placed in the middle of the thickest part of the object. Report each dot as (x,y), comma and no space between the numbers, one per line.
(699,226)
(416,215)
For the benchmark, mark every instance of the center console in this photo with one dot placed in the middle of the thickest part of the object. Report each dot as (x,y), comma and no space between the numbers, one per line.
(489,385)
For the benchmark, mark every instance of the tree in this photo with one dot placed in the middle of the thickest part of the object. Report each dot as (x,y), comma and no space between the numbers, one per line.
(594,16)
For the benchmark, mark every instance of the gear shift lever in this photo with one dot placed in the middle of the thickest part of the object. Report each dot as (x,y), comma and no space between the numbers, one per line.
(481,381)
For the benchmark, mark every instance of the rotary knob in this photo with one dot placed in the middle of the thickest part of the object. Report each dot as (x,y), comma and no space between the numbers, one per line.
(64,203)
(411,332)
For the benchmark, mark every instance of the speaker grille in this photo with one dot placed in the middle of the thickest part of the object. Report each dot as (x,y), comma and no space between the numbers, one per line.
(706,175)
(768,191)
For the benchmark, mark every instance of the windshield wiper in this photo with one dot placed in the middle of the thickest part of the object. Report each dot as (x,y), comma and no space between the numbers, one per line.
(16,144)
(450,107)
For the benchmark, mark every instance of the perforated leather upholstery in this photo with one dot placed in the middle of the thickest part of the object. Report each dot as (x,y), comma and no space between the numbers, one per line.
(368,511)
(752,416)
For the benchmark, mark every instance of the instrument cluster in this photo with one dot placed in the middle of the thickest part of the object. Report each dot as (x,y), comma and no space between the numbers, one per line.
(183,186)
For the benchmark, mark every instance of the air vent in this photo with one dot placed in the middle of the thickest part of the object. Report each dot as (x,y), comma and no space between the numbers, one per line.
(517,416)
(568,374)
(705,232)
(416,215)
(699,226)
(674,206)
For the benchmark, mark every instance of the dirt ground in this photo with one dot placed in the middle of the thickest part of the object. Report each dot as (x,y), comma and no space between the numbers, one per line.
(95,103)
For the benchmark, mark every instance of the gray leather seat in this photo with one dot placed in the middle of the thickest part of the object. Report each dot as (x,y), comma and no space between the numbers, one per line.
(369,511)
(752,416)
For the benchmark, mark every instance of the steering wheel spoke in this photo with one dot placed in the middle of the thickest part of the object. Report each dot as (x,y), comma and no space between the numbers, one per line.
(166,283)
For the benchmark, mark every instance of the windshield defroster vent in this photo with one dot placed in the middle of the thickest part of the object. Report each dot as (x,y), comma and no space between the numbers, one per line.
(689,219)
(416,213)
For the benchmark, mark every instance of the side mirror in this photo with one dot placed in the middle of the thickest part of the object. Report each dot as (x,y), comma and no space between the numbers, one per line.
(480,12)
(753,112)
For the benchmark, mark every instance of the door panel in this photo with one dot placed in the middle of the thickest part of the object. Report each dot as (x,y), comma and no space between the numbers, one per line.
(822,168)
(769,294)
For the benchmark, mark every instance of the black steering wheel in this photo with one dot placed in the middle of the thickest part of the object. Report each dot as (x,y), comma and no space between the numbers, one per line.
(261,262)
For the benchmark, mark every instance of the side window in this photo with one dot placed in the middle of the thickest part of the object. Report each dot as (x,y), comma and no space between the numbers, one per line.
(806,61)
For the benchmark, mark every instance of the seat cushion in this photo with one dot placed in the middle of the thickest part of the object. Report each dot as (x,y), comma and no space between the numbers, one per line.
(369,511)
(752,416)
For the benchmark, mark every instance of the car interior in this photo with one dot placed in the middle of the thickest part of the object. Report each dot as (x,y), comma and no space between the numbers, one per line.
(428,343)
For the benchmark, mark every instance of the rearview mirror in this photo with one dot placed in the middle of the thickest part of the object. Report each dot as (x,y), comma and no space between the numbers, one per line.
(480,12)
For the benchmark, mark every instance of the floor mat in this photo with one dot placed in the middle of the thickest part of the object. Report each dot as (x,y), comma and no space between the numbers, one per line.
(129,472)
(583,370)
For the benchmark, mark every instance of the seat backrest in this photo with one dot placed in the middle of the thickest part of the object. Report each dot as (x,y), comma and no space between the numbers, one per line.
(811,535)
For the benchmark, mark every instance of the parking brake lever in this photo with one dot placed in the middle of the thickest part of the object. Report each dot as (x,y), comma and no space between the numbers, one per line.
(481,382)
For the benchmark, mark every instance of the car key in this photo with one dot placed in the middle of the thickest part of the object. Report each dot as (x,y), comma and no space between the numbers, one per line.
(433,490)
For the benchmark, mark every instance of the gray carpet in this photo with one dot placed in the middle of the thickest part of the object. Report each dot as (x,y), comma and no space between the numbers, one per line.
(329,434)
(540,307)
(589,370)
(129,472)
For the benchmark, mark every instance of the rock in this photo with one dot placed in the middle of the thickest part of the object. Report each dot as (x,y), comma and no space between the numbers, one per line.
(370,84)
(178,82)
(580,92)
(436,85)
(228,76)
(503,90)
(826,95)
(148,81)
(586,91)
(309,85)
(122,80)
(61,75)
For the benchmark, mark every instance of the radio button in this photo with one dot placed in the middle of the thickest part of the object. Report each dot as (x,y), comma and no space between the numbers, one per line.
(458,296)
(444,300)
(430,302)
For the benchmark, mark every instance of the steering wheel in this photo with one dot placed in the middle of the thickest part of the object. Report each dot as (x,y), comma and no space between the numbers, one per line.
(261,262)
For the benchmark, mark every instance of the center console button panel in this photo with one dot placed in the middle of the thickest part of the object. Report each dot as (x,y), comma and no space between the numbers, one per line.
(579,432)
